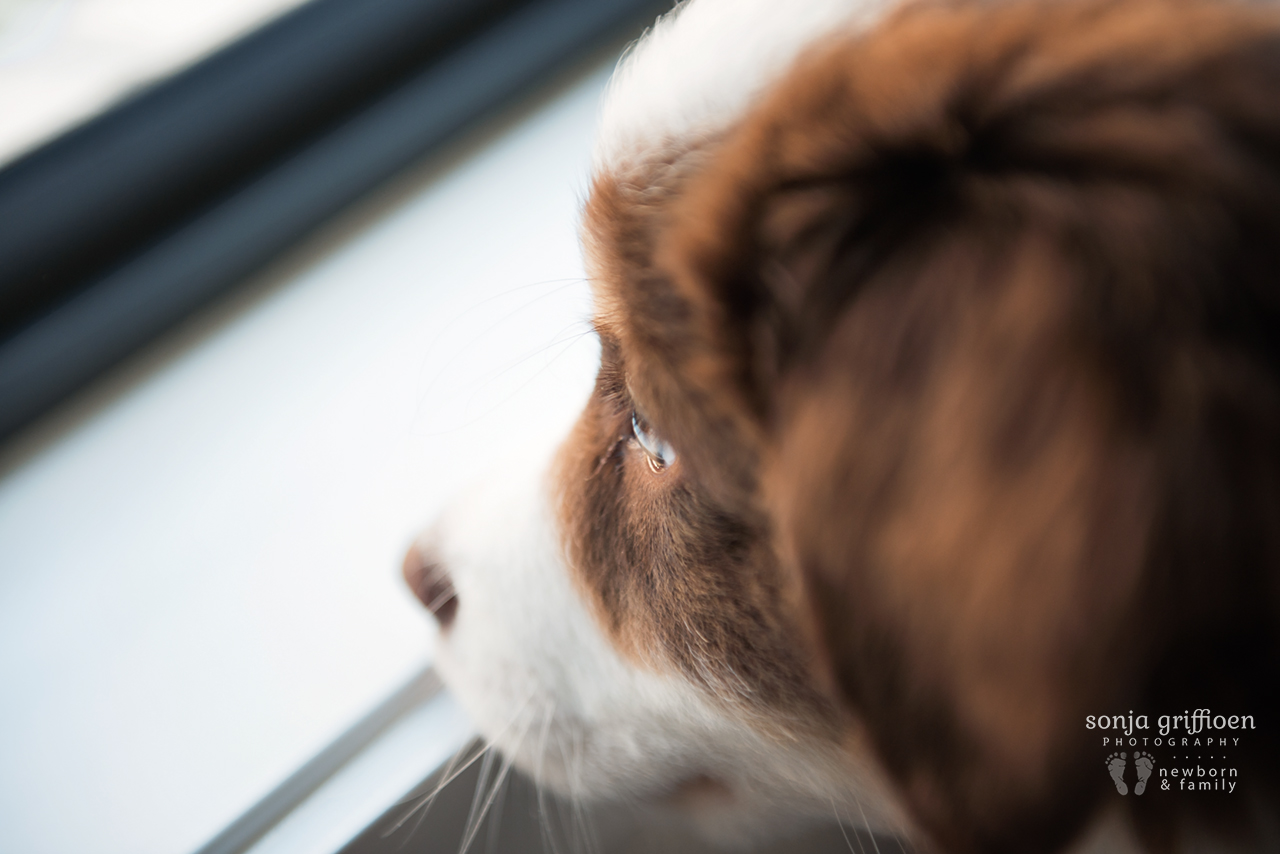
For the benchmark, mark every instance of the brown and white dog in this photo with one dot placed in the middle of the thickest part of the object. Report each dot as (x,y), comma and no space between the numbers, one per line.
(939,410)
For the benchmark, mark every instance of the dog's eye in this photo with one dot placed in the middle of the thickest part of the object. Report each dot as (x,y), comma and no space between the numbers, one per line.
(660,453)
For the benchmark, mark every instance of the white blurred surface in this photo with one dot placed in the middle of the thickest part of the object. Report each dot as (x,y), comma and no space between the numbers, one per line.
(199,582)
(61,61)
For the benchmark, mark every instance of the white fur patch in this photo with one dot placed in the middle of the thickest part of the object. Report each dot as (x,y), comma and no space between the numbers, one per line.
(704,63)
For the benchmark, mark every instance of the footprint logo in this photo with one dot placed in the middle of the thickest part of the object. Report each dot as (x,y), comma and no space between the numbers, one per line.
(1143,763)
(1115,767)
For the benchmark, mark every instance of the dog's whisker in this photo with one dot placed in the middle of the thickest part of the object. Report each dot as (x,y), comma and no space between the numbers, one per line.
(584,819)
(462,354)
(843,832)
(858,802)
(484,751)
(567,283)
(568,808)
(474,821)
(476,817)
(557,341)
(482,778)
(565,346)
(543,818)
(574,771)
(423,807)
(495,823)
(422,802)
(448,767)
(548,836)
(847,821)
(561,284)
(453,769)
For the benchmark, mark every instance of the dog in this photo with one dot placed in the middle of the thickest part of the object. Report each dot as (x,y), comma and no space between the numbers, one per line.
(937,425)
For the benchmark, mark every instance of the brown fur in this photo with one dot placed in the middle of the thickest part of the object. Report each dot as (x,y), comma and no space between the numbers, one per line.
(968,340)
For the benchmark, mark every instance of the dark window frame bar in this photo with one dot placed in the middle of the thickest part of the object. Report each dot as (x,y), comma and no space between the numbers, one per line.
(80,291)
(243,833)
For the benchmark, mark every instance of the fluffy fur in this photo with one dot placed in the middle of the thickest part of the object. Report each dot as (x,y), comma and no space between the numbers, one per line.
(963,322)
(700,67)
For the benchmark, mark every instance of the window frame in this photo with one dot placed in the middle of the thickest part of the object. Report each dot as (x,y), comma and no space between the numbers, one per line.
(126,225)
(187,245)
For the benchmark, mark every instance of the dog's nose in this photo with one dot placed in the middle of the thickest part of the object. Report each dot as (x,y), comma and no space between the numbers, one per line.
(430,582)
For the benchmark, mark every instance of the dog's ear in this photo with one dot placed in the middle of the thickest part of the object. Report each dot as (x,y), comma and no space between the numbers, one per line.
(969,507)
(966,511)
(964,277)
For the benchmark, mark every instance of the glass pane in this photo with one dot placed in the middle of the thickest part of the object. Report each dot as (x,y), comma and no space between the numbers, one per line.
(199,566)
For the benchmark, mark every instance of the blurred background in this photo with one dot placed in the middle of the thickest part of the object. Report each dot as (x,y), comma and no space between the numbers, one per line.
(275,278)
(62,61)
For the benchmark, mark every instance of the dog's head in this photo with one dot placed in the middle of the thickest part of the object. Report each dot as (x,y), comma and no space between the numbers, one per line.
(938,410)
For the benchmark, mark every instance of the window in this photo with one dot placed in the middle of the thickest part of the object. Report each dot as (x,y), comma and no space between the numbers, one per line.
(199,587)
(62,61)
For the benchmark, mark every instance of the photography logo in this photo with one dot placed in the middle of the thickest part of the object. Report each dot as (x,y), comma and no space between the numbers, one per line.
(1203,758)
